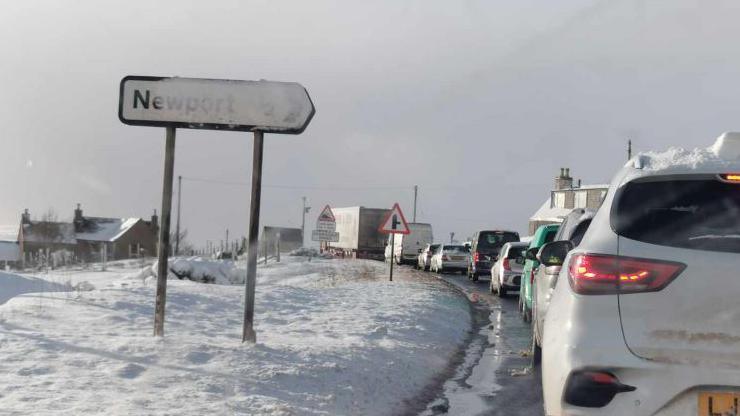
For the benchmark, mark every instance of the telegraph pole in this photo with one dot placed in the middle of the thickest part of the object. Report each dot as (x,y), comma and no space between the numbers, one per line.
(629,149)
(452,236)
(416,192)
(177,226)
(303,220)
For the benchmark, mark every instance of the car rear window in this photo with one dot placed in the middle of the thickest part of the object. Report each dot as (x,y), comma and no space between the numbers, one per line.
(433,247)
(701,213)
(455,249)
(496,239)
(515,252)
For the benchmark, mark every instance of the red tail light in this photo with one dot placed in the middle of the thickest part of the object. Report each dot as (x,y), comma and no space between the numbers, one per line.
(476,257)
(445,257)
(596,274)
(531,277)
(506,264)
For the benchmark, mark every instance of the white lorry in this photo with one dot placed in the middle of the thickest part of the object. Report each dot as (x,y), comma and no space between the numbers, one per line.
(406,246)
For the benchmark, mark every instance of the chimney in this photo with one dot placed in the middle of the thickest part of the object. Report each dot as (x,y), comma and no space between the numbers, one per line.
(155,222)
(25,217)
(564,181)
(78,214)
(78,221)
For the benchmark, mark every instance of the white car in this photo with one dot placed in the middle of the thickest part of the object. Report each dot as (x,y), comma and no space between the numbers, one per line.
(424,260)
(450,258)
(645,314)
(506,273)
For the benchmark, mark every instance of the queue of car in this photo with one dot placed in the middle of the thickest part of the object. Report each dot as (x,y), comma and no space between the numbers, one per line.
(633,306)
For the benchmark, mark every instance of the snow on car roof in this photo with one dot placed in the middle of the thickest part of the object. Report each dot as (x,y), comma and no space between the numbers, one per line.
(723,155)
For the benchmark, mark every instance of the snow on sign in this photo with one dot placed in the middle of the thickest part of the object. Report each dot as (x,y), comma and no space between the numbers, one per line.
(395,222)
(196,103)
(326,227)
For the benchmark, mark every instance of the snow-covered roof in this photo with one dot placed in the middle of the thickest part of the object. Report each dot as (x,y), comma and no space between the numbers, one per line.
(548,213)
(585,187)
(105,229)
(9,232)
(49,232)
(9,251)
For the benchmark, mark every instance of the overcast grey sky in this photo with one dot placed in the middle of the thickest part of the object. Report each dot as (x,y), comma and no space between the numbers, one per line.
(479,102)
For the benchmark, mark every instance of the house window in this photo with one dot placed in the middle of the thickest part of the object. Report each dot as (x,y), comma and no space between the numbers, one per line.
(581,199)
(559,199)
(133,250)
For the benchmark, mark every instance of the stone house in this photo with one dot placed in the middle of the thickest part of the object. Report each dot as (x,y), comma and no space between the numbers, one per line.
(563,198)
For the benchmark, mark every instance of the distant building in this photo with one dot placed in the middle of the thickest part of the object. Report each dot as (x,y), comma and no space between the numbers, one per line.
(290,239)
(85,238)
(10,252)
(563,198)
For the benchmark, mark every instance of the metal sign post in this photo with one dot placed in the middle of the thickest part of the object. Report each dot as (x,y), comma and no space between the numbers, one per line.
(164,232)
(213,104)
(393,250)
(394,223)
(248,334)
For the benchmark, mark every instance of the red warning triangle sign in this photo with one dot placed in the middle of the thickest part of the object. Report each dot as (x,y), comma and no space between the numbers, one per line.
(395,222)
(327,215)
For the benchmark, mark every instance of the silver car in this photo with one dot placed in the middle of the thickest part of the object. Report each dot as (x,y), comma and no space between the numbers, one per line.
(424,260)
(551,256)
(506,273)
(450,258)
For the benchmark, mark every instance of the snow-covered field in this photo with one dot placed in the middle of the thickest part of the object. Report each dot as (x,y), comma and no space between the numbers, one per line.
(333,338)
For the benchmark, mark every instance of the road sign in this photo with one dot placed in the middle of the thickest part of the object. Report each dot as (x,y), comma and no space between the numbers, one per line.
(216,104)
(395,222)
(326,227)
(195,103)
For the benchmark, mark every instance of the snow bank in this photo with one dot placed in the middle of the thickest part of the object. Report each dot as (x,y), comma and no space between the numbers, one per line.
(12,285)
(200,270)
(334,338)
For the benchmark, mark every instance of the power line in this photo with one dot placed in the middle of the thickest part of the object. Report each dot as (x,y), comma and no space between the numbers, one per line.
(311,187)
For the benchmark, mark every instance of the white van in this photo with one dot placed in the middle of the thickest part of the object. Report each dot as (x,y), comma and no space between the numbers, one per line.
(407,246)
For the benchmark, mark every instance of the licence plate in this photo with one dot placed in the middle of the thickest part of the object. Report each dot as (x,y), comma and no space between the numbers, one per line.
(719,404)
(458,258)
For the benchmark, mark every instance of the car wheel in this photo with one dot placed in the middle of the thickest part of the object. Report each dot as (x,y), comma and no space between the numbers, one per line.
(490,286)
(536,350)
(501,291)
(475,277)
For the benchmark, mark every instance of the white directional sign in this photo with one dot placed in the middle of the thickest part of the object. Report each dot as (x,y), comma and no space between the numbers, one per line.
(195,103)
(326,227)
(395,222)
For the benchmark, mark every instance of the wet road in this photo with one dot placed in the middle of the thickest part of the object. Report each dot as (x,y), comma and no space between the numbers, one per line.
(495,377)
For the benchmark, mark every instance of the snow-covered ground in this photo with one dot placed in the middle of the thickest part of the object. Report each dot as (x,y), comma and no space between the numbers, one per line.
(333,338)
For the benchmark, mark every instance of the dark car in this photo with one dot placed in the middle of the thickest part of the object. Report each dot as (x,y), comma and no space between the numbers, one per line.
(484,250)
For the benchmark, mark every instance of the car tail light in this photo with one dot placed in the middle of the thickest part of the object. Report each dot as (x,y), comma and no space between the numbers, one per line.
(506,264)
(531,277)
(476,257)
(731,177)
(597,274)
(445,257)
(593,388)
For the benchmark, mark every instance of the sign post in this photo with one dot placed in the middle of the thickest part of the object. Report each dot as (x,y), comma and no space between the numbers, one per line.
(394,223)
(213,104)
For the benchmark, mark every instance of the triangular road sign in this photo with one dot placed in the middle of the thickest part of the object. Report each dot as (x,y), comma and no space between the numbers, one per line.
(327,215)
(395,222)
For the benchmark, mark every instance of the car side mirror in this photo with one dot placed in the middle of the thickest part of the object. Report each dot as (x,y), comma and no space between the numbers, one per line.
(531,254)
(553,254)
